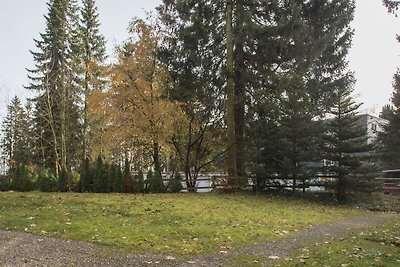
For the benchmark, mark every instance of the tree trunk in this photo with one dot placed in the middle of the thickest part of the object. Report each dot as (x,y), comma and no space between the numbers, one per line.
(231,135)
(85,115)
(156,158)
(63,120)
(240,99)
(52,125)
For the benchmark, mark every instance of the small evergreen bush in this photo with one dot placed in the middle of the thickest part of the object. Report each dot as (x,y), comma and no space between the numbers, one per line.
(46,182)
(86,177)
(118,185)
(63,178)
(139,182)
(128,183)
(4,183)
(21,179)
(156,184)
(175,183)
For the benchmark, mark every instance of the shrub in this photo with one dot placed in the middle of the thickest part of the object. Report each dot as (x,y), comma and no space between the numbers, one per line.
(46,182)
(156,184)
(111,177)
(63,178)
(21,179)
(86,177)
(100,178)
(175,183)
(4,183)
(118,183)
(139,182)
(73,181)
(128,183)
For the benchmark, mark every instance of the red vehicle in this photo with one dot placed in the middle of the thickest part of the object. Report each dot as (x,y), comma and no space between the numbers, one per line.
(391,182)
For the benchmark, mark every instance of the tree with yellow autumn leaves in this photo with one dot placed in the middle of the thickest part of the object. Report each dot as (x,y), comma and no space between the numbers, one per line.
(136,112)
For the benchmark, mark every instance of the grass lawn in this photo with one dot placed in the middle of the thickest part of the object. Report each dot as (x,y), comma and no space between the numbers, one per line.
(180,224)
(378,246)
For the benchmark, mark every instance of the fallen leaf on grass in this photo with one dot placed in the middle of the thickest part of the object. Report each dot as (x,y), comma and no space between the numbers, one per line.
(170,258)
(274,257)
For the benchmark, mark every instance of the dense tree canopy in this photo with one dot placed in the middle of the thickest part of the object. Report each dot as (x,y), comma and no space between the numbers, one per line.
(239,87)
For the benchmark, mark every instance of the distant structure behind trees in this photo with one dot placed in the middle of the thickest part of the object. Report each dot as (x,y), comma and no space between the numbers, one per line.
(373,125)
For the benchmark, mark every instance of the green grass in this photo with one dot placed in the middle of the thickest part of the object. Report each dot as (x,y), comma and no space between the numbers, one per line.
(378,246)
(181,224)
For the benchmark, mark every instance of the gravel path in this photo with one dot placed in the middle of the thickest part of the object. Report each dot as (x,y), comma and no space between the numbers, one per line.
(21,249)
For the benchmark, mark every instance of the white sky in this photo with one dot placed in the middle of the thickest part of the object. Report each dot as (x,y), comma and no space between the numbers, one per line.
(374,56)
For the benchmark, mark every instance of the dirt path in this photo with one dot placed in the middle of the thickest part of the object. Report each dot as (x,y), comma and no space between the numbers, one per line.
(21,249)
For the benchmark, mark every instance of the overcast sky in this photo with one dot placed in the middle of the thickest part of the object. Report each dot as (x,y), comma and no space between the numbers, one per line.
(374,56)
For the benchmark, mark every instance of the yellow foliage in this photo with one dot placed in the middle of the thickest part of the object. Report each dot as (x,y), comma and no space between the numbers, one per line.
(136,109)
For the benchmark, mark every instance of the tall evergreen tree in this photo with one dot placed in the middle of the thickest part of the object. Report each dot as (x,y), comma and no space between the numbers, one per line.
(346,145)
(16,141)
(305,62)
(52,80)
(93,55)
(194,55)
(390,141)
(278,47)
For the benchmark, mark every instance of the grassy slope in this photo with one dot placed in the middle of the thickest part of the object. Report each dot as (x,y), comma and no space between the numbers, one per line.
(182,224)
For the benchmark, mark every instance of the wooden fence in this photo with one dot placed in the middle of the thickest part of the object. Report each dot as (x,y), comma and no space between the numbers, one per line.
(213,182)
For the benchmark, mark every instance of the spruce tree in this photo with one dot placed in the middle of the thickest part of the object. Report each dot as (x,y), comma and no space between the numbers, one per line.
(193,54)
(111,177)
(16,141)
(390,141)
(346,146)
(139,182)
(175,183)
(86,177)
(46,182)
(300,72)
(21,180)
(53,80)
(279,48)
(100,176)
(128,182)
(118,185)
(92,51)
(62,184)
(155,183)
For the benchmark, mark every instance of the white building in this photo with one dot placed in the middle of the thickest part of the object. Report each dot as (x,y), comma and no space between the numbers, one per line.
(373,125)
